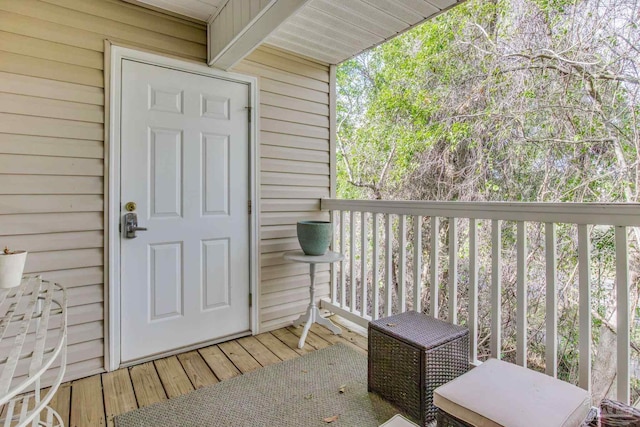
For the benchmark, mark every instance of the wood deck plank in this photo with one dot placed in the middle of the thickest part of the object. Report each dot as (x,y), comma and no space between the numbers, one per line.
(174,379)
(146,384)
(292,341)
(87,407)
(312,339)
(258,351)
(61,402)
(329,336)
(219,362)
(196,369)
(118,394)
(239,356)
(279,348)
(351,336)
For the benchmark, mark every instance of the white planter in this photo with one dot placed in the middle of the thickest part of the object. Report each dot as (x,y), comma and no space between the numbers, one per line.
(11,268)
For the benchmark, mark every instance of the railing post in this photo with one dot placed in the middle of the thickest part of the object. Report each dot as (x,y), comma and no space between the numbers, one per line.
(435,274)
(402,263)
(453,271)
(352,260)
(584,315)
(388,244)
(496,289)
(417,263)
(363,263)
(343,273)
(551,347)
(623,318)
(521,296)
(473,290)
(375,279)
(334,276)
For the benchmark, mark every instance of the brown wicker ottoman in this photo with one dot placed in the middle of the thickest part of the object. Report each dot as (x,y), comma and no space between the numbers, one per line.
(412,354)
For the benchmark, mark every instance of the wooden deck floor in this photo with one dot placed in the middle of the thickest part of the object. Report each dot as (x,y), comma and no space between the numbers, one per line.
(94,401)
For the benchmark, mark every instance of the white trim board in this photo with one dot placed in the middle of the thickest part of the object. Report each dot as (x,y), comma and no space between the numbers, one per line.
(117,55)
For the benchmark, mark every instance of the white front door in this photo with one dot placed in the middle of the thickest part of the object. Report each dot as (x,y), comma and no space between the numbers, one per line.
(185,164)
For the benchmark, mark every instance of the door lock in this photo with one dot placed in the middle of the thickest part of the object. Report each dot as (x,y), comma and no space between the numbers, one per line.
(131,225)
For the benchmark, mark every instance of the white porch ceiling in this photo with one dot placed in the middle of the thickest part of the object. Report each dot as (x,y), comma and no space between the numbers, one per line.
(332,31)
(329,31)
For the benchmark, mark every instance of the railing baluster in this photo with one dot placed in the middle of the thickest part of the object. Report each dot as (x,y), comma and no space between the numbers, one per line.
(435,274)
(334,275)
(375,280)
(623,319)
(496,289)
(417,263)
(388,245)
(551,346)
(352,260)
(402,263)
(363,263)
(473,290)
(343,273)
(584,285)
(521,295)
(453,271)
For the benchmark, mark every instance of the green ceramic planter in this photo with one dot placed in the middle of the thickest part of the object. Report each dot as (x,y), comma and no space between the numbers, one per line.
(314,236)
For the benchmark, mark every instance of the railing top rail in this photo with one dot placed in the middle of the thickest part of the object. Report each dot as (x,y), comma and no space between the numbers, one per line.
(620,214)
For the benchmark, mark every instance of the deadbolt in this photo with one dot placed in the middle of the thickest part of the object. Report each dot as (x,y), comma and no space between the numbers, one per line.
(130,206)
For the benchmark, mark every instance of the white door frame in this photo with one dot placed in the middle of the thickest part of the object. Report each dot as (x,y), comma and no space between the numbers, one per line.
(113,235)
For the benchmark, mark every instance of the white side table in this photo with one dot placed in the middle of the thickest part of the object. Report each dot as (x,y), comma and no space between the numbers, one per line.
(313,313)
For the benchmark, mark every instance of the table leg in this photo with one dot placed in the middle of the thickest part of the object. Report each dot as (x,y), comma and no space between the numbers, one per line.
(303,318)
(312,310)
(329,325)
(313,313)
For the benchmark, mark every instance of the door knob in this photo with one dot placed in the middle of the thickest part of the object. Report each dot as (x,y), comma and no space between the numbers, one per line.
(131,225)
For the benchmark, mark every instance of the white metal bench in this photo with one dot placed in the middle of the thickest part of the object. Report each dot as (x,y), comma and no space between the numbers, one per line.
(33,335)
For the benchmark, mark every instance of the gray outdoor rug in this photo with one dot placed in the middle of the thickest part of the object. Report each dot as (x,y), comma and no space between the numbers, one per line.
(300,392)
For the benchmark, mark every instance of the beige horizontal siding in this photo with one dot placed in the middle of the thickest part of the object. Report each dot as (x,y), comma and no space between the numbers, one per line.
(44,88)
(286,140)
(102,27)
(52,149)
(48,184)
(295,174)
(280,218)
(52,143)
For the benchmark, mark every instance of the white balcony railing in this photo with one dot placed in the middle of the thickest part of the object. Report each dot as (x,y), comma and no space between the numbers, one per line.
(446,255)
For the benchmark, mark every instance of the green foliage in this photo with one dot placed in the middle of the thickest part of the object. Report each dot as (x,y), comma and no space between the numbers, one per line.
(458,108)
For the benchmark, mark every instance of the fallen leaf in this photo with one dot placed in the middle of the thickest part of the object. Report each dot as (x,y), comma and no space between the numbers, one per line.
(341,389)
(330,420)
(391,325)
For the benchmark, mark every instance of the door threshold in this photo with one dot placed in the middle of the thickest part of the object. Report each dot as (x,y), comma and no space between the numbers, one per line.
(184,349)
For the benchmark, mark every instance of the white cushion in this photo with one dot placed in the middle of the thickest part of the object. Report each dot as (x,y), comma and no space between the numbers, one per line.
(501,394)
(399,421)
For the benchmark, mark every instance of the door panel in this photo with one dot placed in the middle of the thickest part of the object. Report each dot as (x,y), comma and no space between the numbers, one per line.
(215,164)
(216,286)
(165,269)
(166,173)
(185,163)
